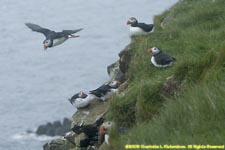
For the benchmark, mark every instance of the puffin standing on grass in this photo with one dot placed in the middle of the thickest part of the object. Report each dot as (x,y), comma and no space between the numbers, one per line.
(81,99)
(106,91)
(159,58)
(53,38)
(137,28)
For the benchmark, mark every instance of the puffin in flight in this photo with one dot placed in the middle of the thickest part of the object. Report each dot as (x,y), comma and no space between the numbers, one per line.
(137,28)
(159,58)
(53,38)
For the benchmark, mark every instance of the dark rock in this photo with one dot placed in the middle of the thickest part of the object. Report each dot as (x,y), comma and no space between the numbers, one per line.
(42,129)
(111,69)
(125,58)
(57,124)
(120,76)
(60,131)
(55,128)
(66,122)
(115,73)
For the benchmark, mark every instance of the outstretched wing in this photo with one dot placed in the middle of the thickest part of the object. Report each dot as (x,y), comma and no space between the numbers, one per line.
(68,32)
(39,29)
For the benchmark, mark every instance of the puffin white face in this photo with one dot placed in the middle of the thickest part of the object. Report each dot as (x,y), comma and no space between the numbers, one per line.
(82,94)
(132,20)
(107,124)
(154,50)
(47,44)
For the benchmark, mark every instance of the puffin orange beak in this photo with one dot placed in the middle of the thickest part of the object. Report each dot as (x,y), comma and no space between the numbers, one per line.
(73,36)
(149,50)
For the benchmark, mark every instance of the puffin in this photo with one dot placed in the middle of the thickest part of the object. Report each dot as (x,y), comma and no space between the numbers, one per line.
(81,99)
(103,135)
(104,92)
(159,58)
(53,38)
(137,28)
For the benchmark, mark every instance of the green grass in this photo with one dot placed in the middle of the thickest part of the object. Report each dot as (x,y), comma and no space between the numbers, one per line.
(195,36)
(195,118)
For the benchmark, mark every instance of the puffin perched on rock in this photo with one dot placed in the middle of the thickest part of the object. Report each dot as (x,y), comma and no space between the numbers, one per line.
(159,58)
(106,91)
(53,38)
(81,99)
(137,28)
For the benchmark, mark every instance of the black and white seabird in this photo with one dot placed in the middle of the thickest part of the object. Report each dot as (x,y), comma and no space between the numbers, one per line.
(81,99)
(159,58)
(103,134)
(53,38)
(106,91)
(137,28)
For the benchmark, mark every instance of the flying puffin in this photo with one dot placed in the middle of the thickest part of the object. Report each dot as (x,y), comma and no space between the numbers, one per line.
(137,28)
(159,58)
(81,99)
(106,91)
(53,38)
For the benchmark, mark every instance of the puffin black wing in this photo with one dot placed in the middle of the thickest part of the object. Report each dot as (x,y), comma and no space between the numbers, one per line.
(101,91)
(71,31)
(145,27)
(164,59)
(39,29)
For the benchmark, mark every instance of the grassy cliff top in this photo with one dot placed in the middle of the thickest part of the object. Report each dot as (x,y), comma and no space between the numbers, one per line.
(193,111)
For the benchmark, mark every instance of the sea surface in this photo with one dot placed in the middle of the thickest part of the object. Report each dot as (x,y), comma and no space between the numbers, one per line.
(35,84)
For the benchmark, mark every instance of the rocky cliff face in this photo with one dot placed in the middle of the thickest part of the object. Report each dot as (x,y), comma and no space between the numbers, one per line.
(87,120)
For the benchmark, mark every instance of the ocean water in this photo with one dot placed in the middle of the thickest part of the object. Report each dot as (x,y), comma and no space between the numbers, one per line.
(35,84)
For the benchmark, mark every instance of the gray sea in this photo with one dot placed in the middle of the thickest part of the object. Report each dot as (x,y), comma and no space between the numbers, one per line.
(35,84)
